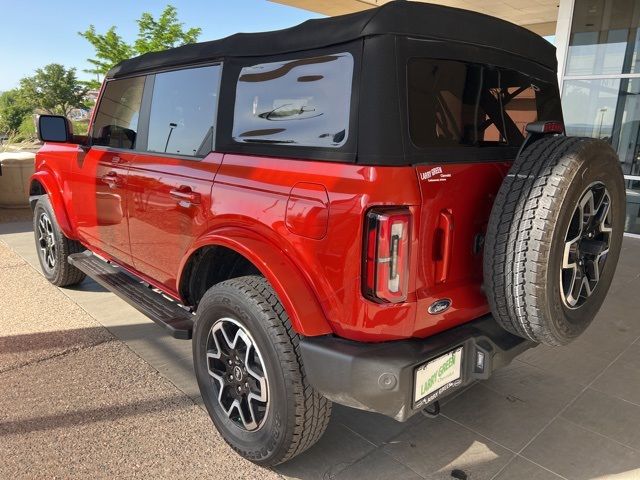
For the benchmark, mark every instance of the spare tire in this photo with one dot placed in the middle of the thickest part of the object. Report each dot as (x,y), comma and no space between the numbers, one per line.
(554,238)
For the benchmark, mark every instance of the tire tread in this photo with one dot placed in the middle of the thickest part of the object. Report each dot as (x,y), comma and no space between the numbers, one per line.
(517,241)
(65,274)
(313,411)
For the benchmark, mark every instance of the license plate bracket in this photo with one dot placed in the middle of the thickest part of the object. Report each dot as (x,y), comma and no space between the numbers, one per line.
(433,378)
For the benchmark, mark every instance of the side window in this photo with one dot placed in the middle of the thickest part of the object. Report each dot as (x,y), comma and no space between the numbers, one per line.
(303,102)
(116,121)
(453,103)
(183,109)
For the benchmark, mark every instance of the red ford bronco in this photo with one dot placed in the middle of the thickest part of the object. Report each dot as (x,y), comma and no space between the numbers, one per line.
(374,209)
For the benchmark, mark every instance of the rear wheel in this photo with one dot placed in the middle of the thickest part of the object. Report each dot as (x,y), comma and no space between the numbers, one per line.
(54,247)
(554,238)
(251,375)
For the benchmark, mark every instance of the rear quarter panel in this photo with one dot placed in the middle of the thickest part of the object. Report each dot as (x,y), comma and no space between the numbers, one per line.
(254,192)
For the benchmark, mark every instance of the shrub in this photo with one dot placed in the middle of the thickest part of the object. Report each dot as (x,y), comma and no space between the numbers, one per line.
(27,128)
(80,127)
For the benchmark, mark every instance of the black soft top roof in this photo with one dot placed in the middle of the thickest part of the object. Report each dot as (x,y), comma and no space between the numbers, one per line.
(413,19)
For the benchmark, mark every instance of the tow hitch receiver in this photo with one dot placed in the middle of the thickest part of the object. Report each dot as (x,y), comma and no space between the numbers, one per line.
(432,411)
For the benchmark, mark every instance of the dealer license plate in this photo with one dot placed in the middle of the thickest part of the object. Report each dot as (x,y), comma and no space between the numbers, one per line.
(434,378)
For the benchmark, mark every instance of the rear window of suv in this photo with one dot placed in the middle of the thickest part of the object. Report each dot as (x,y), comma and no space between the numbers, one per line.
(303,102)
(453,103)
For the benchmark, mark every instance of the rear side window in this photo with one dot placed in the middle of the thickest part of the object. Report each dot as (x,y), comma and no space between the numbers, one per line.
(453,103)
(183,108)
(303,102)
(116,121)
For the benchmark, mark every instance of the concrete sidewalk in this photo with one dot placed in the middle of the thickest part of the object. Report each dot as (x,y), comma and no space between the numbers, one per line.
(77,402)
(90,388)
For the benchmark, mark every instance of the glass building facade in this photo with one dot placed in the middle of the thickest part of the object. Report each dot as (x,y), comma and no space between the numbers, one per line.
(601,85)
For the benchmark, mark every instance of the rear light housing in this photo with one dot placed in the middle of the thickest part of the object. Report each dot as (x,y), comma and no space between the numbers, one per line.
(385,272)
(543,127)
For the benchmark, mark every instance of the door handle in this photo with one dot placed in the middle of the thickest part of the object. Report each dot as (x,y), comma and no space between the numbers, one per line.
(111,179)
(443,259)
(185,194)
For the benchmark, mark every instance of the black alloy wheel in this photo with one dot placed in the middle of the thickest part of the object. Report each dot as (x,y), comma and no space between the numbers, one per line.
(236,365)
(586,245)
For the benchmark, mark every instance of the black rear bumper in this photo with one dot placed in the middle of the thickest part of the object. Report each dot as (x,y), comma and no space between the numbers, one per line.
(379,377)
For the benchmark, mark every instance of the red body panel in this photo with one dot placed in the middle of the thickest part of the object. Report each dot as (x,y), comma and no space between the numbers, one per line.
(49,182)
(299,222)
(295,293)
(253,193)
(462,194)
(168,206)
(99,183)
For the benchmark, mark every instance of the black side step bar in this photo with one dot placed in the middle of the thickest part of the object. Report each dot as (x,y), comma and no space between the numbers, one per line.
(161,310)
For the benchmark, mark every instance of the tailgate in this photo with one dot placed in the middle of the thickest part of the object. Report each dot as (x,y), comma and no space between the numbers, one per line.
(456,204)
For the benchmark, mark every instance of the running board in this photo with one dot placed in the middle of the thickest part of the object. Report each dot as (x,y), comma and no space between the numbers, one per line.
(161,310)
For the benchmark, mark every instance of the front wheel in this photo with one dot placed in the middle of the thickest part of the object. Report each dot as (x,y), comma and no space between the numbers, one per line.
(251,375)
(54,247)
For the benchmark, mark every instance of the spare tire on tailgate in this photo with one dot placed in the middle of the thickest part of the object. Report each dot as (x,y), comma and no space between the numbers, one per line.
(554,238)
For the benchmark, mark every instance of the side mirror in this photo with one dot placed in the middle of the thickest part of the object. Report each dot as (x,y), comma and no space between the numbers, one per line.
(54,128)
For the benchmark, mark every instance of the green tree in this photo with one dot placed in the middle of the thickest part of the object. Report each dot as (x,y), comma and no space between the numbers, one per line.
(27,129)
(110,50)
(13,110)
(153,35)
(54,90)
(164,33)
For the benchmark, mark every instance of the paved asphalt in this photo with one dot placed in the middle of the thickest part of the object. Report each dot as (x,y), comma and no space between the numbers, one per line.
(89,388)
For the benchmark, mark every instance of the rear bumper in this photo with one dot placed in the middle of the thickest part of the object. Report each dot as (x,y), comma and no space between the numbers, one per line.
(380,377)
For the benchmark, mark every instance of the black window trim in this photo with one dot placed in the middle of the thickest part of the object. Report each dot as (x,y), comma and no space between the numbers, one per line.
(146,108)
(263,141)
(145,112)
(142,135)
(224,137)
(411,47)
(505,125)
(90,137)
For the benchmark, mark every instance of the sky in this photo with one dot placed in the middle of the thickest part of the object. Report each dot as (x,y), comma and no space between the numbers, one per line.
(34,33)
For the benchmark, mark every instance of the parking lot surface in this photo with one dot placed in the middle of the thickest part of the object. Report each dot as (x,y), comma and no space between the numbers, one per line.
(90,388)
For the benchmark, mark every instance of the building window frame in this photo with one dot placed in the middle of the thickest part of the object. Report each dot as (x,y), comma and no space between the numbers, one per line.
(563,37)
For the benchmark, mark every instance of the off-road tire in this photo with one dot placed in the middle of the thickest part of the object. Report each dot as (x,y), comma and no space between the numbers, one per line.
(526,237)
(61,274)
(297,415)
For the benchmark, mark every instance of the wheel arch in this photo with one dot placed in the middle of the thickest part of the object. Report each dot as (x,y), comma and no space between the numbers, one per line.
(43,183)
(241,245)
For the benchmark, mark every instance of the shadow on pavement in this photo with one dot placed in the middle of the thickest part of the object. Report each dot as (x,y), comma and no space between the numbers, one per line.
(588,392)
(15,227)
(104,414)
(87,285)
(62,339)
(356,445)
(339,449)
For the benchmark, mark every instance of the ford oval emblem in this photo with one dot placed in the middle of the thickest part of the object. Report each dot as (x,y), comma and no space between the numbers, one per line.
(439,306)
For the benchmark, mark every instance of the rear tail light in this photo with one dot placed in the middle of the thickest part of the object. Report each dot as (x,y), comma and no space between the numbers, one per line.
(542,127)
(386,255)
